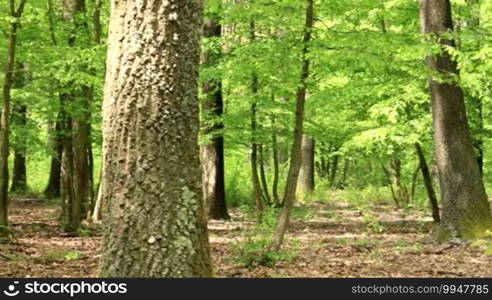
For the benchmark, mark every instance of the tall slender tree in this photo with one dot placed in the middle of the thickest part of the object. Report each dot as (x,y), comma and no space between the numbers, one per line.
(255,177)
(76,176)
(212,152)
(465,208)
(296,151)
(15,13)
(152,194)
(19,119)
(53,188)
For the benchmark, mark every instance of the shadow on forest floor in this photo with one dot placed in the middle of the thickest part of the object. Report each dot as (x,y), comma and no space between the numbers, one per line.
(337,240)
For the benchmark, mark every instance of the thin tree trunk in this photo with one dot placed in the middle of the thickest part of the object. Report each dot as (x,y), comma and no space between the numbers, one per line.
(334,169)
(96,20)
(263,177)
(154,218)
(97,211)
(52,190)
(254,144)
(390,183)
(305,182)
(19,178)
(76,190)
(16,13)
(415,176)
(295,159)
(19,120)
(276,172)
(212,153)
(401,189)
(428,183)
(465,207)
(346,168)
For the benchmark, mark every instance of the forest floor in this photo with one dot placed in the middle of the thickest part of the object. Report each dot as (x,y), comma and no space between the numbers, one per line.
(327,239)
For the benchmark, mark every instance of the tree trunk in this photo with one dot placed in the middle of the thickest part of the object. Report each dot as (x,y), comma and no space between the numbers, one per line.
(254,144)
(263,176)
(76,191)
(415,176)
(19,120)
(401,189)
(465,208)
(428,183)
(346,168)
(390,183)
(305,182)
(97,211)
(212,153)
(476,115)
(19,178)
(15,13)
(52,190)
(276,172)
(295,158)
(154,219)
(334,169)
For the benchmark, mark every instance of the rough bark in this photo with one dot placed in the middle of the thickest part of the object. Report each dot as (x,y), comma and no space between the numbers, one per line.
(212,152)
(428,183)
(154,219)
(305,182)
(465,208)
(295,158)
(15,13)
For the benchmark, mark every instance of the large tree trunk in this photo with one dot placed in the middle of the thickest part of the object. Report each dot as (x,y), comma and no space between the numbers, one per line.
(15,13)
(296,152)
(212,153)
(305,182)
(465,208)
(428,183)
(153,210)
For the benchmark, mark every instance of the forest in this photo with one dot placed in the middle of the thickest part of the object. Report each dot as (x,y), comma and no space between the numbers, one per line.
(245,138)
